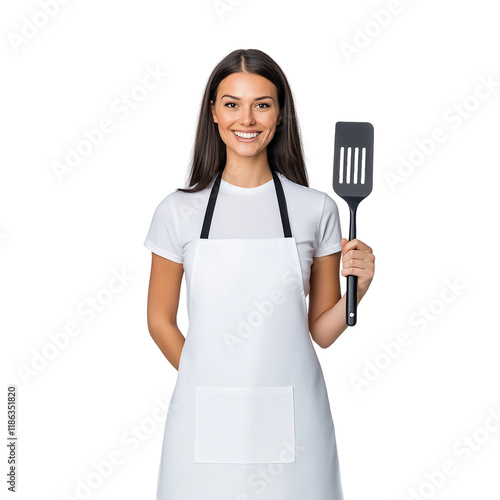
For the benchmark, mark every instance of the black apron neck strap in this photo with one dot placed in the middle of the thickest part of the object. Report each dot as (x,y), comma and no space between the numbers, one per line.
(213,198)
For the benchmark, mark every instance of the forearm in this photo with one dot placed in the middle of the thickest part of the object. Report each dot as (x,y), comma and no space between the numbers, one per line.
(169,339)
(330,325)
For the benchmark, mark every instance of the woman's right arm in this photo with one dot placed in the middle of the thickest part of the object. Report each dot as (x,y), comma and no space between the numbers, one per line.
(163,302)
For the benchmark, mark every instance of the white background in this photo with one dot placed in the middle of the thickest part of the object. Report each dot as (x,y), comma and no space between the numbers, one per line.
(399,418)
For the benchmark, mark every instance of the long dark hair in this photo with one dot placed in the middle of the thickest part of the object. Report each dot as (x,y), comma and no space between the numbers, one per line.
(284,152)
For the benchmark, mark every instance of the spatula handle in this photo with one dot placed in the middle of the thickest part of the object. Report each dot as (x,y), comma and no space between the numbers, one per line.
(352,281)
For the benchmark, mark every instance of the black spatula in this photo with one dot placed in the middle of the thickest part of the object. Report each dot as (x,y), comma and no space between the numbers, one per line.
(352,181)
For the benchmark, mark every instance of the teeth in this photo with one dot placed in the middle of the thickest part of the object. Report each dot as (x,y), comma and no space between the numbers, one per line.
(246,136)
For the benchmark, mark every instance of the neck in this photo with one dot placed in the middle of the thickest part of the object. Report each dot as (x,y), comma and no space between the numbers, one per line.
(247,171)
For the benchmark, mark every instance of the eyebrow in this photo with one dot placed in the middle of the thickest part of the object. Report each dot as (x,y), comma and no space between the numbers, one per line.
(256,99)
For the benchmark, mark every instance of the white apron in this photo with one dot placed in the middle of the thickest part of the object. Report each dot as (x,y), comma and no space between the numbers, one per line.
(249,417)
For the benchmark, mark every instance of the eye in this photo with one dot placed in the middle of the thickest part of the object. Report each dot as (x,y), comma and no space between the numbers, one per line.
(228,103)
(264,104)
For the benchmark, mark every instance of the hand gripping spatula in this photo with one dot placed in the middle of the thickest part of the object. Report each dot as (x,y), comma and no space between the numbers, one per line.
(352,181)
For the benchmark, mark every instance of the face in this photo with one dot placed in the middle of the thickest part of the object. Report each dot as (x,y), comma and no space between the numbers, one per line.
(247,112)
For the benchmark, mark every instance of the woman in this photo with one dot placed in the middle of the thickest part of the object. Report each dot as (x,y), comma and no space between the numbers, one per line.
(249,416)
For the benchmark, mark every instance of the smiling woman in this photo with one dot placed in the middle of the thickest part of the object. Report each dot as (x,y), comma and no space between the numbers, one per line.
(249,415)
(247,92)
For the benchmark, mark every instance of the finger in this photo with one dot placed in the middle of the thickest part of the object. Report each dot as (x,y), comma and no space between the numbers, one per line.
(352,254)
(357,271)
(358,254)
(357,264)
(353,271)
(356,244)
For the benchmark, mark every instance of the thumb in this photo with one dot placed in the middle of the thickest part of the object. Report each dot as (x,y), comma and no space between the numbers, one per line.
(343,243)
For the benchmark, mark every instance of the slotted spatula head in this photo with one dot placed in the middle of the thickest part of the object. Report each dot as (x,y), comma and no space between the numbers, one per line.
(353,160)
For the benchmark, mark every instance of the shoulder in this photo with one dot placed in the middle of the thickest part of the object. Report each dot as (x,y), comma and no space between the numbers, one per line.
(307,197)
(177,198)
(164,207)
(180,207)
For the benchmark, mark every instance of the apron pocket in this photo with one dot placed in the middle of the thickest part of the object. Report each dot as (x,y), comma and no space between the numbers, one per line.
(244,425)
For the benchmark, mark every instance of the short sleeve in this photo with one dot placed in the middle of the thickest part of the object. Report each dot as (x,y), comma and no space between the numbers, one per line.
(329,230)
(162,238)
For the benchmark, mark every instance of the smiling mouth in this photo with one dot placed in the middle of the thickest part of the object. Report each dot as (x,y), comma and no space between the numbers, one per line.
(246,135)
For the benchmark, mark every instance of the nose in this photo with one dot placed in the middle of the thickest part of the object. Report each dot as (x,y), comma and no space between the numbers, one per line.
(247,117)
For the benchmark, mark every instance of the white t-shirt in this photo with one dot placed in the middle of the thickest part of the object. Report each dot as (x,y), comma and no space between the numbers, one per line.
(242,212)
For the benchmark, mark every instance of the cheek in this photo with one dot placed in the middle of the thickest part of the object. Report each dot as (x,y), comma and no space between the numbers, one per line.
(269,121)
(223,118)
